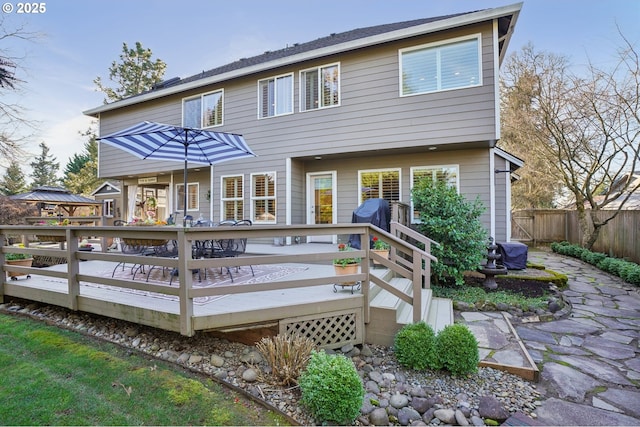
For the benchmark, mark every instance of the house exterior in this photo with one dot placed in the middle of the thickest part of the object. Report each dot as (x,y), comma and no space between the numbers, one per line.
(109,193)
(356,115)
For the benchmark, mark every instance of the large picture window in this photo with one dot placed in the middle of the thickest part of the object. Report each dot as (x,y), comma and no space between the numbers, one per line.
(203,111)
(444,66)
(447,173)
(232,198)
(275,96)
(320,87)
(192,196)
(263,197)
(380,184)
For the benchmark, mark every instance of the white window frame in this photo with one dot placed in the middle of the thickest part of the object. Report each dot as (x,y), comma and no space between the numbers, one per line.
(275,96)
(380,171)
(180,199)
(302,89)
(108,207)
(434,169)
(255,198)
(437,46)
(224,200)
(202,104)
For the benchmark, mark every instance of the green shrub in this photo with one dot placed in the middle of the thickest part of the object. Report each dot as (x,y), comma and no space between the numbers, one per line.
(415,346)
(457,349)
(331,388)
(594,258)
(454,222)
(626,270)
(634,276)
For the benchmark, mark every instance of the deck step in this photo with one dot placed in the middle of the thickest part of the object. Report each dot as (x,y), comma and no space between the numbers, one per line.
(405,311)
(440,314)
(384,299)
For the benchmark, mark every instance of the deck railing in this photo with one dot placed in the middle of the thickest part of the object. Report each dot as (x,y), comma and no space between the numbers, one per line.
(405,260)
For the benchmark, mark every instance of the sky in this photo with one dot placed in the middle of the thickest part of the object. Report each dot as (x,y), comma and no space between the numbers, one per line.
(79,39)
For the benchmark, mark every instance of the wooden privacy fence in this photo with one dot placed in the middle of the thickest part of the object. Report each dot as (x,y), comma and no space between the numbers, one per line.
(619,238)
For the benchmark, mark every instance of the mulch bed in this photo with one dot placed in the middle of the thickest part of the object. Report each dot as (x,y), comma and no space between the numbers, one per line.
(524,287)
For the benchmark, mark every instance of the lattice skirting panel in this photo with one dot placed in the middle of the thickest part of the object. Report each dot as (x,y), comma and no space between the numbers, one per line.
(328,330)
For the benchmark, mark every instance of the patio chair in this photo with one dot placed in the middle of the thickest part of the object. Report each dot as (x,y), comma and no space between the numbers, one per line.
(168,250)
(126,249)
(233,248)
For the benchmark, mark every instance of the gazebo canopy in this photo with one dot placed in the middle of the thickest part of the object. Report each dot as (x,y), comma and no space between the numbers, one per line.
(58,196)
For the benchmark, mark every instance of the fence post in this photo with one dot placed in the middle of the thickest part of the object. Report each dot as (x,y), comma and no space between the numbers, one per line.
(73,269)
(186,283)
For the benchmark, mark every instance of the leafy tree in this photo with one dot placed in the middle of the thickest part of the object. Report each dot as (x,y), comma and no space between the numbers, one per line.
(13,126)
(583,131)
(454,222)
(13,181)
(136,73)
(45,168)
(13,212)
(539,186)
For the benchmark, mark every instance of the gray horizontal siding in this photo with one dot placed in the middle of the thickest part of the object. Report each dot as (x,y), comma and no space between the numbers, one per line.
(474,178)
(371,116)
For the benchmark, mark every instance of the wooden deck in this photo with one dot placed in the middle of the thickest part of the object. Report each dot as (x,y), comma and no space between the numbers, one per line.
(303,302)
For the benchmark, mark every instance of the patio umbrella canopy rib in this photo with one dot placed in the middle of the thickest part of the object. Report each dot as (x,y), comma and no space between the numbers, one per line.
(149,140)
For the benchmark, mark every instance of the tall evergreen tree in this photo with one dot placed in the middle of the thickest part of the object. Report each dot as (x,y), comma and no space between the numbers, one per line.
(45,168)
(13,181)
(136,73)
(85,179)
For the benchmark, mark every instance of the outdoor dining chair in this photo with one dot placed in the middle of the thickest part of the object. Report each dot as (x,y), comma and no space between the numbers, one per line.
(233,248)
(127,249)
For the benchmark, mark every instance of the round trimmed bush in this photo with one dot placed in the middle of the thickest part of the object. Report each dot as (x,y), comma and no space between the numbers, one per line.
(415,346)
(331,388)
(457,349)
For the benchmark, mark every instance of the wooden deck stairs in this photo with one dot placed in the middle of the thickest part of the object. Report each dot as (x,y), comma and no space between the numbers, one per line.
(388,313)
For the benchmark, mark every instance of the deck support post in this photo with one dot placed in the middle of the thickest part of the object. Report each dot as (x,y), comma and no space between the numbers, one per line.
(366,285)
(73,266)
(417,286)
(185,278)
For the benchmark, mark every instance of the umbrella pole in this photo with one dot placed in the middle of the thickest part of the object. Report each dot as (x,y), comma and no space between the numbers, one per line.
(184,219)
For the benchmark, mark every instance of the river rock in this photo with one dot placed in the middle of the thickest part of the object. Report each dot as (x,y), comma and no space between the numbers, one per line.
(447,416)
(490,407)
(399,401)
(406,415)
(379,417)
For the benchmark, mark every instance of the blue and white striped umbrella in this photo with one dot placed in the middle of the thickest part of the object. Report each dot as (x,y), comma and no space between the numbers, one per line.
(148,140)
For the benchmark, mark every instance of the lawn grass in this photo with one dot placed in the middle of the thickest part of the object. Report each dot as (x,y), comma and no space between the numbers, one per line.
(51,376)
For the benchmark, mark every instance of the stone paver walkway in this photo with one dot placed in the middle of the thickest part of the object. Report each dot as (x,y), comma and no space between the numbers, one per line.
(590,359)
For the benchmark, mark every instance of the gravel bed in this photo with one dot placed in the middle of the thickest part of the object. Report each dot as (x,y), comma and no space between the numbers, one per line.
(407,396)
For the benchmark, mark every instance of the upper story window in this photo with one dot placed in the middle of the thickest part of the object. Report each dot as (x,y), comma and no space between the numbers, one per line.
(442,66)
(447,173)
(380,184)
(320,87)
(203,110)
(275,96)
